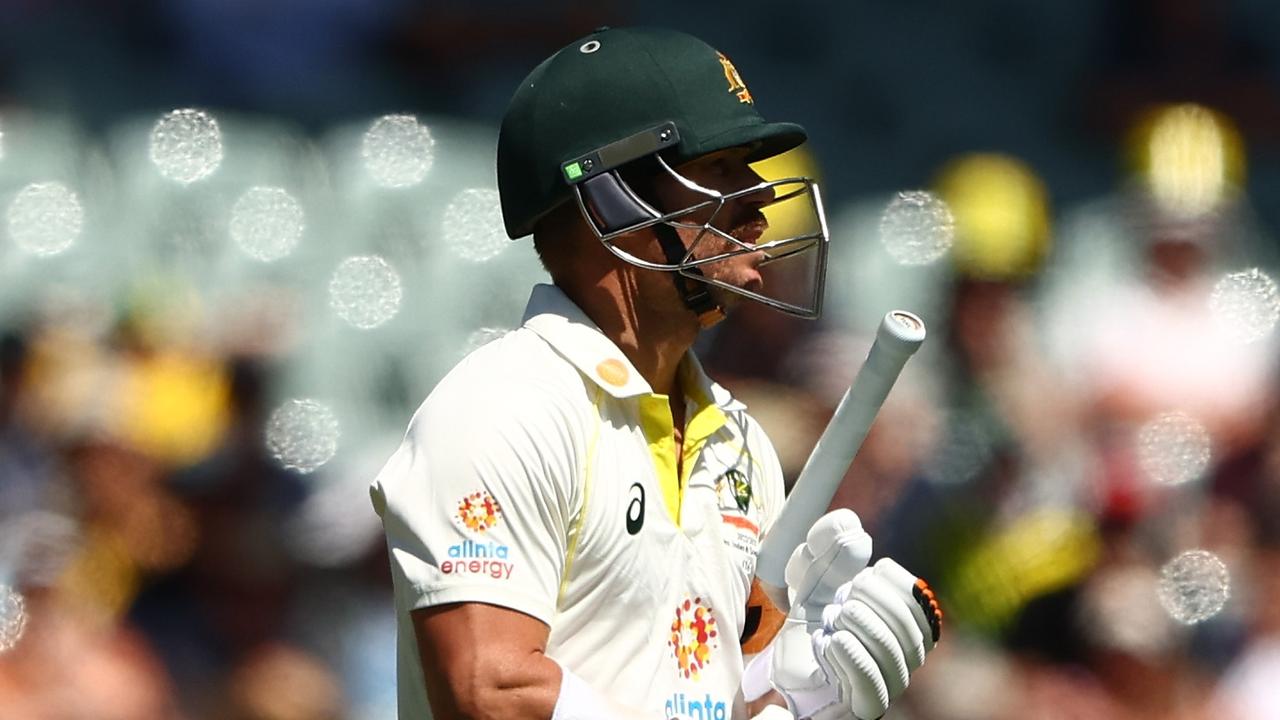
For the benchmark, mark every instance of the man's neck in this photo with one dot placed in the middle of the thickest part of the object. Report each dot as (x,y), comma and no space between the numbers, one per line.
(655,345)
(656,358)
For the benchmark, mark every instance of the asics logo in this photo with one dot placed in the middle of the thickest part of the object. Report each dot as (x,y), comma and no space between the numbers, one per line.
(635,509)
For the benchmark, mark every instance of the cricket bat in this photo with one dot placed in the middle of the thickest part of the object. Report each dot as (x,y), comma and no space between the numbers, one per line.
(898,337)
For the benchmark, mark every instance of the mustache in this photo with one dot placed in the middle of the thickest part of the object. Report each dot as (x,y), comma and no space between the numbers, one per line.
(752,223)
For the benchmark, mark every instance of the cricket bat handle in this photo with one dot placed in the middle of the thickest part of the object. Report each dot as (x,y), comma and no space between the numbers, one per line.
(898,337)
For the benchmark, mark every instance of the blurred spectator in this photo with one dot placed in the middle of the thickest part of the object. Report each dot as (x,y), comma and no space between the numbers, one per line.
(26,463)
(68,666)
(1156,51)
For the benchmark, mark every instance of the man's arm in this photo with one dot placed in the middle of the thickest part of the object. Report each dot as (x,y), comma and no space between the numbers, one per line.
(465,475)
(483,661)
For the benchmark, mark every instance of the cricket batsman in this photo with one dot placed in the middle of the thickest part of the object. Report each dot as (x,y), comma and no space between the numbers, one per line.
(574,515)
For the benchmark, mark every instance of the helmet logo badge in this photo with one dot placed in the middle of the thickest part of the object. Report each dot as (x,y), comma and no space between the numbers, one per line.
(736,86)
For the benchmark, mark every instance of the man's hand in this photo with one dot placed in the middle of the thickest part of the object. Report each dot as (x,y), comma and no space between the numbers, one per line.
(877,632)
(834,551)
(854,634)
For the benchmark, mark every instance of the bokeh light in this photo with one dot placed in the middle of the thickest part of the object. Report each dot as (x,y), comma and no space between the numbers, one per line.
(398,151)
(473,227)
(1173,448)
(1,139)
(1246,305)
(45,218)
(302,434)
(267,223)
(916,228)
(1194,586)
(186,145)
(13,617)
(365,291)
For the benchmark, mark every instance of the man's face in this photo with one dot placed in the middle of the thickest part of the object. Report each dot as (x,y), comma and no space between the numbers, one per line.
(726,171)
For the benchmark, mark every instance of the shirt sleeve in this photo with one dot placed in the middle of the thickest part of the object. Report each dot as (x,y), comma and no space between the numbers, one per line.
(476,502)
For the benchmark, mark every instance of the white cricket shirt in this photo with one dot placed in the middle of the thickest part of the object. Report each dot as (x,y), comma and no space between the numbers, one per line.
(540,475)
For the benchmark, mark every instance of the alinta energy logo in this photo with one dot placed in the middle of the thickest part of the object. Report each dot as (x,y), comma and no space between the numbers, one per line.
(693,637)
(478,513)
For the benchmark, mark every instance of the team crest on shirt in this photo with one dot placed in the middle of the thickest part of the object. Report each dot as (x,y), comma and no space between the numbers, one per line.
(478,512)
(734,496)
(735,485)
(693,637)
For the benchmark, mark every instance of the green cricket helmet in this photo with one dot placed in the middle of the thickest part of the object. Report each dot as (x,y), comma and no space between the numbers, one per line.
(622,96)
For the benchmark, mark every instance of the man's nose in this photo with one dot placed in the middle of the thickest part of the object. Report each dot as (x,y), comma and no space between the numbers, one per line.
(762,195)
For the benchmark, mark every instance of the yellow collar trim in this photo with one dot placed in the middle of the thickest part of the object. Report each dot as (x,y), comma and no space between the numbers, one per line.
(705,419)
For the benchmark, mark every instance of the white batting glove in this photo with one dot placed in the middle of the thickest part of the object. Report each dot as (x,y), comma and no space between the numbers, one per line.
(877,632)
(854,633)
(835,550)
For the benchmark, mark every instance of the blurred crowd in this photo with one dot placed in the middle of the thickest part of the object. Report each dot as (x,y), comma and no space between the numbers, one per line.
(1084,459)
(150,569)
(1097,398)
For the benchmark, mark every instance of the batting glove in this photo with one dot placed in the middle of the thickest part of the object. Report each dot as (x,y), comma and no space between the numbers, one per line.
(835,550)
(848,646)
(877,632)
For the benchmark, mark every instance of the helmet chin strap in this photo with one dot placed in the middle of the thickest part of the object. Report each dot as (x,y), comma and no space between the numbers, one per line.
(696,295)
(606,200)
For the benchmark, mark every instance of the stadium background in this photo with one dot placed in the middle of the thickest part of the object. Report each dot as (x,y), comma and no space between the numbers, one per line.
(197,382)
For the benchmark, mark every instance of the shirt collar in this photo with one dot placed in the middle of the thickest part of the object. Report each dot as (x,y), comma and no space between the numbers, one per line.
(565,327)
